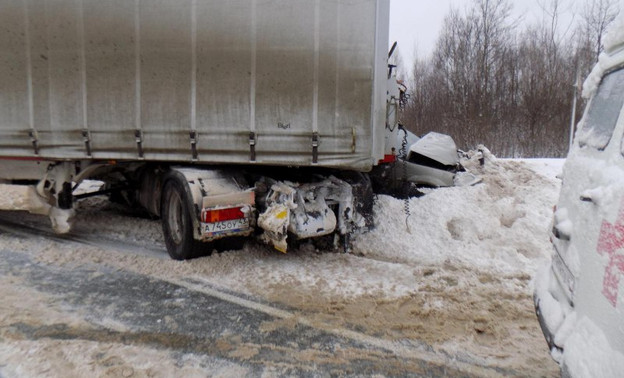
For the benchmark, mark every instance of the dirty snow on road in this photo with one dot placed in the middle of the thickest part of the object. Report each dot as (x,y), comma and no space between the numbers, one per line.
(453,275)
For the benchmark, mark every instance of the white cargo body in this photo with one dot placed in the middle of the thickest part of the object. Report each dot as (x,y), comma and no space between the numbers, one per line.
(269,82)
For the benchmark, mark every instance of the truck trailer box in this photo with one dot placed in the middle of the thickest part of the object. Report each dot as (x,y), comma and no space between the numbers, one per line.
(226,119)
(267,82)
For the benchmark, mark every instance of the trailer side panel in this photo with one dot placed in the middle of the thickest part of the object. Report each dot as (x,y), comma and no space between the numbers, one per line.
(273,82)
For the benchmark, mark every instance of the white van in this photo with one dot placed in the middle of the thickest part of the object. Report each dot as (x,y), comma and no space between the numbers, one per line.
(579,297)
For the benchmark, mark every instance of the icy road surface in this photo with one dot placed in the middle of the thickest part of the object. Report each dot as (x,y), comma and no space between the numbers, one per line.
(451,295)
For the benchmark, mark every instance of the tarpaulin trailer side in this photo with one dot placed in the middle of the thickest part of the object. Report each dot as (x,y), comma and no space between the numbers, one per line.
(270,82)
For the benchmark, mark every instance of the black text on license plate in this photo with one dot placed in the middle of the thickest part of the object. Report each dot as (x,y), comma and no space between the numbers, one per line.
(230,225)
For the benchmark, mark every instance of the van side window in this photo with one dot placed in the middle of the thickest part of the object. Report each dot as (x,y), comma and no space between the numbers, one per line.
(603,112)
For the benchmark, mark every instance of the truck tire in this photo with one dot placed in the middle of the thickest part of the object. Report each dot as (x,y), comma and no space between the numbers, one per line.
(177,222)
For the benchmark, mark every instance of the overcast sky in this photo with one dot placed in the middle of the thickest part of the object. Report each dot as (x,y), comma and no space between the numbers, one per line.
(415,24)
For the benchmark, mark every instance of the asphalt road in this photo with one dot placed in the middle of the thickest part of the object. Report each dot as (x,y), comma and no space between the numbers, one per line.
(191,316)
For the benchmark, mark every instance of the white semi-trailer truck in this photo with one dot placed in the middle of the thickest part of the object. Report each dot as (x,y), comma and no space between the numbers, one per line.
(224,118)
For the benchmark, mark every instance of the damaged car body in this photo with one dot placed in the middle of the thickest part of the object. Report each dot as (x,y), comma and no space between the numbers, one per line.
(430,161)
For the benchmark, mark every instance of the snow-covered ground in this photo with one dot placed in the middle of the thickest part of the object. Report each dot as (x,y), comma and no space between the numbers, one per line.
(456,274)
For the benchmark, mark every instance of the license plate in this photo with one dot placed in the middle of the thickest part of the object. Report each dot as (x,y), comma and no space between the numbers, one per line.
(225,226)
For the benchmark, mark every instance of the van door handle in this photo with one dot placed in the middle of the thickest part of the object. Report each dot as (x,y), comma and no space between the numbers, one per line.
(592,195)
(586,198)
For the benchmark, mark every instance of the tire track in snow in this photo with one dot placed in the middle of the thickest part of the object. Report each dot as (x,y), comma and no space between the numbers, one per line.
(9,225)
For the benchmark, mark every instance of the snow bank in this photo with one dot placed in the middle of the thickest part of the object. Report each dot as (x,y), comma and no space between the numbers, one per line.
(550,168)
(500,224)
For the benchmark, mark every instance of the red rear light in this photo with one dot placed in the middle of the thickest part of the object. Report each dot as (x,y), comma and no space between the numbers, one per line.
(222,215)
(388,159)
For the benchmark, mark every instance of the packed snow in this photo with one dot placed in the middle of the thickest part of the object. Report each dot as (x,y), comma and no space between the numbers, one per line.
(489,226)
(454,272)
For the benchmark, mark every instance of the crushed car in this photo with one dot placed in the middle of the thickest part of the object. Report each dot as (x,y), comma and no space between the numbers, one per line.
(429,161)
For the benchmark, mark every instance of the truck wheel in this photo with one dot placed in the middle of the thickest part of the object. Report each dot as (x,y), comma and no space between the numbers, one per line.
(177,221)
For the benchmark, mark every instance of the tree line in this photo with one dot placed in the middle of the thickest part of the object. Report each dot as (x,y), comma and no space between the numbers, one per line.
(490,81)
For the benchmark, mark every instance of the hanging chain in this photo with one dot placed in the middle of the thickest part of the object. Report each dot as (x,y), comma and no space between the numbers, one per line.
(403,102)
(405,183)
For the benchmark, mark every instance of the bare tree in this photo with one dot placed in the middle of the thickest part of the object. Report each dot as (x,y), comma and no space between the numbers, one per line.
(490,82)
(597,15)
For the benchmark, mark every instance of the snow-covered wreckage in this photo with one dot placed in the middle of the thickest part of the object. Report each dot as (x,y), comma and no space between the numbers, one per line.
(579,297)
(432,160)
